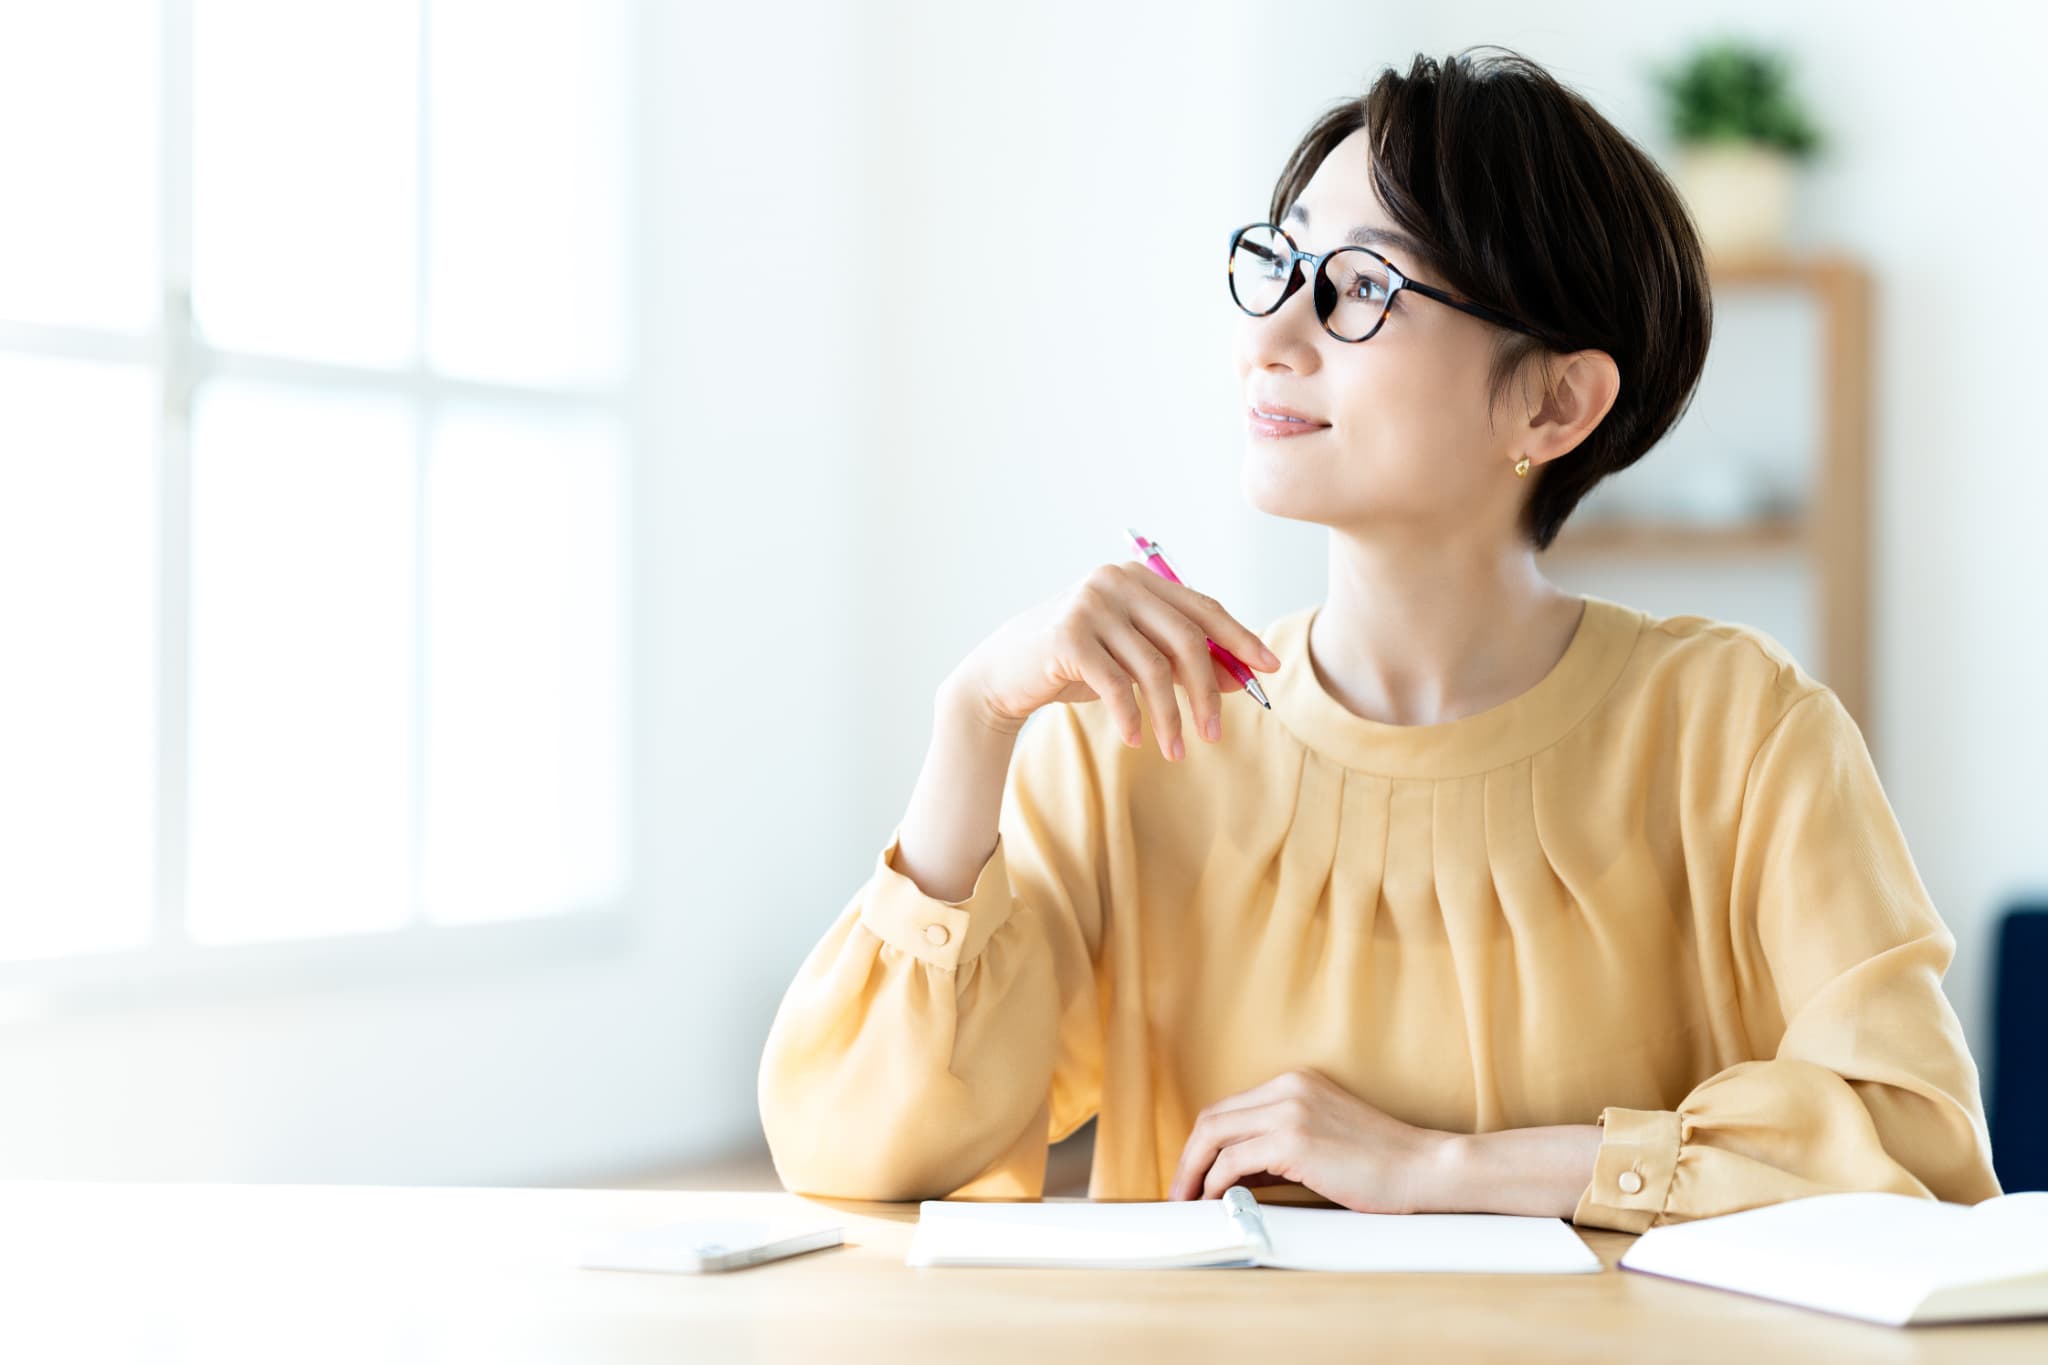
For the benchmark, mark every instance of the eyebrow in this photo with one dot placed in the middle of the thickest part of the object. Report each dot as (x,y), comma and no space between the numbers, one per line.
(1367,236)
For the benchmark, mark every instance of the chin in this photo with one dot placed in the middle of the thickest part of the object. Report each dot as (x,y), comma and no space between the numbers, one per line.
(1300,494)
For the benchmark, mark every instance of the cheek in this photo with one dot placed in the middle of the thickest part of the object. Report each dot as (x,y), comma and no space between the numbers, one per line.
(1391,396)
(1412,397)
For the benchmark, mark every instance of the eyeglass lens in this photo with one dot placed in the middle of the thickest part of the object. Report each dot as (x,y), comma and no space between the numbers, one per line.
(1262,264)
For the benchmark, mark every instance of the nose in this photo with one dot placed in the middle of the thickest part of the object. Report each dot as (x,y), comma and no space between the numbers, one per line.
(1284,338)
(1297,276)
(1301,275)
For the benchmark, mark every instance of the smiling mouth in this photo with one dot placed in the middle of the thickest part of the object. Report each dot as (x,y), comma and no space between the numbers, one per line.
(1265,416)
(1275,425)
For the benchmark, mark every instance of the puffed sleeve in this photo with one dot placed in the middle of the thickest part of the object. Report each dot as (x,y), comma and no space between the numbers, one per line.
(929,1049)
(1871,1085)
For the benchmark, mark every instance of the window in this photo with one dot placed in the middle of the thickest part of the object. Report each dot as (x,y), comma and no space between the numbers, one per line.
(316,400)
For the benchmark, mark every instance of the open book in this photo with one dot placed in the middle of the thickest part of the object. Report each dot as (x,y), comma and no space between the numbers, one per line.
(1238,1231)
(1889,1258)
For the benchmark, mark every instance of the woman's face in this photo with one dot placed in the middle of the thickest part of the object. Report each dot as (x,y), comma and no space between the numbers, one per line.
(1408,449)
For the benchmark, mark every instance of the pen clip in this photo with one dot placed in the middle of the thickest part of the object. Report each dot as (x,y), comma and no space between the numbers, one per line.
(1147,549)
(1243,1209)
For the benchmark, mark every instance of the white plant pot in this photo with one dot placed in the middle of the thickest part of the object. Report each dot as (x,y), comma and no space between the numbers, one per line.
(1740,194)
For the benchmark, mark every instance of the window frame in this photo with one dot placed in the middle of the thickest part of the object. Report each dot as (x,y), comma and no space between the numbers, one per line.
(169,966)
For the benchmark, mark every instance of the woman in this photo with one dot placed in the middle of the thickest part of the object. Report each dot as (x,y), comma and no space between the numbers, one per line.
(1514,901)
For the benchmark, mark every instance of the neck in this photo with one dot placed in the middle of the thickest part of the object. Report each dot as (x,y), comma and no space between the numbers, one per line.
(1421,634)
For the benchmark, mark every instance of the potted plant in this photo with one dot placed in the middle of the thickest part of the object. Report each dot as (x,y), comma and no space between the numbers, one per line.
(1741,134)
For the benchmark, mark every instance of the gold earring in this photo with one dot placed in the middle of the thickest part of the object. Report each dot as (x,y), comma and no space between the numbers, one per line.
(1522,467)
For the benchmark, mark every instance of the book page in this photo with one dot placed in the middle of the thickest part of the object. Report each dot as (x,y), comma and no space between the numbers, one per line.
(2002,1237)
(1159,1233)
(1868,1254)
(2028,1206)
(1494,1243)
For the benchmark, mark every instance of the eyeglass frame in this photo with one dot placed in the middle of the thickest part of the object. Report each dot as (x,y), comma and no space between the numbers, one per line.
(1399,281)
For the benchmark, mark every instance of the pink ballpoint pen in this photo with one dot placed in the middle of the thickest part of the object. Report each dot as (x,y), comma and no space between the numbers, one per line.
(1155,559)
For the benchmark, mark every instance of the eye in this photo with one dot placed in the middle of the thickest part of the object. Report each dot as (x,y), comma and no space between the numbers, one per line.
(1271,267)
(1365,286)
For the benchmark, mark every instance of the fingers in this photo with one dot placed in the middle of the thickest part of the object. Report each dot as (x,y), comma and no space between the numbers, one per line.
(1134,628)
(1107,678)
(1226,681)
(1206,612)
(1176,623)
(1267,1106)
(1266,1152)
(1146,662)
(1195,667)
(1215,1131)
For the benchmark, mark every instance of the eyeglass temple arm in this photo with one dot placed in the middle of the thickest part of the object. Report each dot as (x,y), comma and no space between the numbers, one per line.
(1477,310)
(1255,249)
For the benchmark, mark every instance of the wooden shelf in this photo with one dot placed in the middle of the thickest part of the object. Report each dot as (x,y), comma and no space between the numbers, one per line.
(1619,537)
(1834,532)
(1801,270)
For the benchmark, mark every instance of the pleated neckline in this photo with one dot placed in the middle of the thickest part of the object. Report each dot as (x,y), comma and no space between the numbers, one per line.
(1501,734)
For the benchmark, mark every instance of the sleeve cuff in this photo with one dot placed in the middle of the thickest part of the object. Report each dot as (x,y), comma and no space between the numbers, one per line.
(941,933)
(1632,1173)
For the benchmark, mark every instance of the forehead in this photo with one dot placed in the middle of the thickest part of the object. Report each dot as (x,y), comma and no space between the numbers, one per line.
(1338,205)
(1342,184)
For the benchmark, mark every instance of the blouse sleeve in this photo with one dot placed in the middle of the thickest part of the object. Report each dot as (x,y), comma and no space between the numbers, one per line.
(931,1048)
(1872,1086)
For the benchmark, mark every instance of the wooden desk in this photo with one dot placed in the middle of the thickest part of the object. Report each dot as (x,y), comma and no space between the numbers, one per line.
(273,1273)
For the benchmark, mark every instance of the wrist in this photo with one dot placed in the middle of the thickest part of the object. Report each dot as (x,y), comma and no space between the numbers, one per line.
(1455,1169)
(1532,1171)
(959,702)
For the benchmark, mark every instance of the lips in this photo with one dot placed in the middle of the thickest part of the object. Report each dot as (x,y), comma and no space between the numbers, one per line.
(1271,427)
(1260,412)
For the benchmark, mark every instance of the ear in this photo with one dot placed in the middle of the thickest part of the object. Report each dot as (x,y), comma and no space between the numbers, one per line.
(1583,386)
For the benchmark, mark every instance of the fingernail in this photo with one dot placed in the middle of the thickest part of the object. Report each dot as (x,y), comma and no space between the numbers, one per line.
(1177,752)
(1272,659)
(1213,728)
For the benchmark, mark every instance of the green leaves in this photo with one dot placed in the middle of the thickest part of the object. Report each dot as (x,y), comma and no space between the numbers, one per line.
(1730,90)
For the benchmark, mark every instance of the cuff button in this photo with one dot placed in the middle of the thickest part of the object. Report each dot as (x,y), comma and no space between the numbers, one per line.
(1630,1182)
(936,935)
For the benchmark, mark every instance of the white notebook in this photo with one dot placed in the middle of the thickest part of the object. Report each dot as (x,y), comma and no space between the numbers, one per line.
(1888,1258)
(1239,1231)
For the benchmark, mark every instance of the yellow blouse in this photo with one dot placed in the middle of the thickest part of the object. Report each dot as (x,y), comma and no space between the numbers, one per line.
(1662,891)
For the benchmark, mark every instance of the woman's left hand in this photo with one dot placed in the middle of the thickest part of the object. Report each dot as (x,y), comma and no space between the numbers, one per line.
(1305,1128)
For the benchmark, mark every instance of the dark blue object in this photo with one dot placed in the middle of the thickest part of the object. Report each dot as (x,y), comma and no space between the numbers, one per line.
(2018,1104)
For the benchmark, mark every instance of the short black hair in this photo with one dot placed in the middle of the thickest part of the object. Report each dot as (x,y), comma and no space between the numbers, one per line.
(1531,202)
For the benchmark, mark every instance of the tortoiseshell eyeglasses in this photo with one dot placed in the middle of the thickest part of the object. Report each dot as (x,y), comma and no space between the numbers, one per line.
(1354,285)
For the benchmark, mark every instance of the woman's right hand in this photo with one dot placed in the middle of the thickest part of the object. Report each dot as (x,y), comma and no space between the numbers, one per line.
(1121,625)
